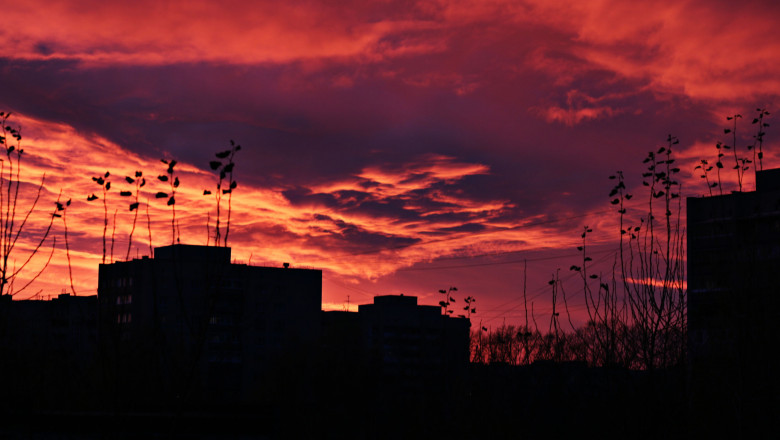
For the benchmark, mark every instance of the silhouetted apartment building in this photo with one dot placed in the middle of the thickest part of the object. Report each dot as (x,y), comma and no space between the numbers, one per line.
(733,314)
(190,325)
(48,350)
(402,345)
(405,339)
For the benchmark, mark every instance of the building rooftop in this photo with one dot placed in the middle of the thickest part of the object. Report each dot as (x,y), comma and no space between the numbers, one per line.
(768,180)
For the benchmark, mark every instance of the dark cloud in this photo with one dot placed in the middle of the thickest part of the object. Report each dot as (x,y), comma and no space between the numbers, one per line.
(302,135)
(305,197)
(349,238)
(466,227)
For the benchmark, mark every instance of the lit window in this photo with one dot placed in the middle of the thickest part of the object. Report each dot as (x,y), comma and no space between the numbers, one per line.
(124,318)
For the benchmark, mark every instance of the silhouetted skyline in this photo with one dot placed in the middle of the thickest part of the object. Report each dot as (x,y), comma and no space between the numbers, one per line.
(399,148)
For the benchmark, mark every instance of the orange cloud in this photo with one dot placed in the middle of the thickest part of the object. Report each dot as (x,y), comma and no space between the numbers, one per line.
(149,32)
(420,174)
(693,48)
(266,228)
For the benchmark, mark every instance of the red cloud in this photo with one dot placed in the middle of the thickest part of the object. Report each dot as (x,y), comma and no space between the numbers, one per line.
(695,48)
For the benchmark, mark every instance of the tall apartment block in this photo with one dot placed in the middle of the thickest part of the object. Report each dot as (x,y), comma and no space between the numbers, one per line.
(733,299)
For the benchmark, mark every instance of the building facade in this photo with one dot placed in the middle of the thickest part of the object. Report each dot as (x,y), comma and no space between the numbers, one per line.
(404,347)
(48,351)
(733,315)
(200,328)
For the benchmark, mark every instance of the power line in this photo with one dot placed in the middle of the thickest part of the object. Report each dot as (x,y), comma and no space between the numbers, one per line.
(352,288)
(537,293)
(497,263)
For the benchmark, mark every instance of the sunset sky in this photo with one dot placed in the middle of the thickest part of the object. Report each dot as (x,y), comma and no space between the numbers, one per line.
(399,146)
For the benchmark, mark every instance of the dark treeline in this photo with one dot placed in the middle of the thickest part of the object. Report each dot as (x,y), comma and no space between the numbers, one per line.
(518,345)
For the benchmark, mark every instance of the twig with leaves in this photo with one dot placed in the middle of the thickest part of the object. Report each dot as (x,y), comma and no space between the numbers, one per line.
(105,185)
(448,299)
(139,181)
(705,168)
(740,162)
(758,144)
(656,293)
(719,166)
(173,181)
(601,305)
(61,212)
(10,230)
(224,168)
(469,307)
